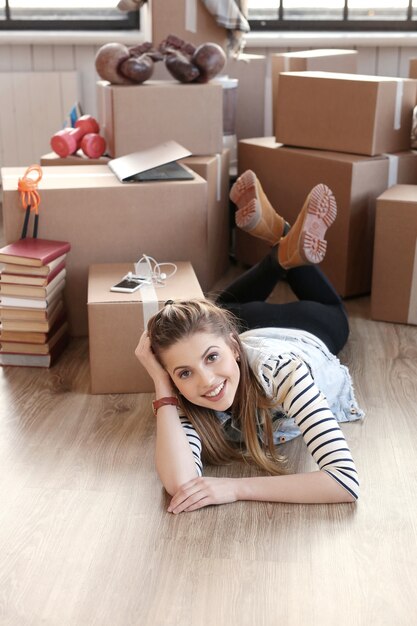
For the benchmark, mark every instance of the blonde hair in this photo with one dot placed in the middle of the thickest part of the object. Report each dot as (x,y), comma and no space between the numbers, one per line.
(251,408)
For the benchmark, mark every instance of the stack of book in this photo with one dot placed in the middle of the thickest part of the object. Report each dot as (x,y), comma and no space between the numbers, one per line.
(34,329)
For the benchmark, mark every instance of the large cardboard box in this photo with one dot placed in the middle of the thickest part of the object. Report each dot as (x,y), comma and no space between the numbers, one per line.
(324,60)
(288,174)
(108,221)
(190,21)
(345,112)
(137,117)
(117,320)
(215,170)
(394,277)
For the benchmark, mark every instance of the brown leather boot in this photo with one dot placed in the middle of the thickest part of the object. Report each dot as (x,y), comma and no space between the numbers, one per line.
(305,243)
(255,213)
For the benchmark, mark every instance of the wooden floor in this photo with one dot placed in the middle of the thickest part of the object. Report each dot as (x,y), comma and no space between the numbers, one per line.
(85,539)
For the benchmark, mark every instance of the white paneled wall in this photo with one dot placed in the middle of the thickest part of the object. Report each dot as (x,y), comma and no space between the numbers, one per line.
(33,105)
(383,61)
(37,101)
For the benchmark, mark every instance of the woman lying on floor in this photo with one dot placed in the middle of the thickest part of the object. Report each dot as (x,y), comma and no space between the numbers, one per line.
(235,378)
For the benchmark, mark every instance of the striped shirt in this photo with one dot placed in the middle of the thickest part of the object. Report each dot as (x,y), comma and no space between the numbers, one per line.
(289,382)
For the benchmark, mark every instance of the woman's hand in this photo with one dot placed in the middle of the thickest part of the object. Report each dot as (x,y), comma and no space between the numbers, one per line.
(149,361)
(201,492)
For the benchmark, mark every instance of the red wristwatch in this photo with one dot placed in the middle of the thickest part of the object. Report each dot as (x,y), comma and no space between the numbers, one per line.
(156,404)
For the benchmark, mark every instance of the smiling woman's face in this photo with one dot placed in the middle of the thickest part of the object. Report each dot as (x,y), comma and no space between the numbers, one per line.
(203,367)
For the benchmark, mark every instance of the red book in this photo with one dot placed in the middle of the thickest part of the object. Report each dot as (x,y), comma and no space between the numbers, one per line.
(33,252)
(26,270)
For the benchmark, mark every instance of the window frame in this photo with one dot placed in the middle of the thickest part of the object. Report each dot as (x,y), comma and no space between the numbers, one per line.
(344,24)
(127,21)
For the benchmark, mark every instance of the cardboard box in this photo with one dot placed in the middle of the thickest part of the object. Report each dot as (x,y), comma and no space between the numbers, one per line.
(137,117)
(394,277)
(250,70)
(412,68)
(324,60)
(108,221)
(215,170)
(51,158)
(117,320)
(190,21)
(288,174)
(345,112)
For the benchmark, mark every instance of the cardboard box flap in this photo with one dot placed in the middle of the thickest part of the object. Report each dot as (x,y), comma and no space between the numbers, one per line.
(354,77)
(322,52)
(128,166)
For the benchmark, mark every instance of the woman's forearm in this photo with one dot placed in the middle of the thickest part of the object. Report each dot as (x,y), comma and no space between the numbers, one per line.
(173,456)
(308,488)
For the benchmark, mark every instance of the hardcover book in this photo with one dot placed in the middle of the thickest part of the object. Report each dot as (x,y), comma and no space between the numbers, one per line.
(18,329)
(33,252)
(22,347)
(27,270)
(11,313)
(34,303)
(35,360)
(10,278)
(31,291)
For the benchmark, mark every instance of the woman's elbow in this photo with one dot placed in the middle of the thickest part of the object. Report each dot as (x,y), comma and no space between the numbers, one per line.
(173,484)
(351,496)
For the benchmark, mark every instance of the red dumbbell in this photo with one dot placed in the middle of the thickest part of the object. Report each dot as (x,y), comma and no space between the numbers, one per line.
(84,135)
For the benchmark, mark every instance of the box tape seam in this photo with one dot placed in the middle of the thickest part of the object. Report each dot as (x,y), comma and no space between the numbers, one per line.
(219,177)
(398,104)
(393,162)
(412,307)
(150,304)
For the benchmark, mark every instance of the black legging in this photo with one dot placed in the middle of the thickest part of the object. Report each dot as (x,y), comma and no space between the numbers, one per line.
(319,308)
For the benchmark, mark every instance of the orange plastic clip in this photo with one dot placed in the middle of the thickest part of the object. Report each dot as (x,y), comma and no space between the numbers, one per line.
(27,187)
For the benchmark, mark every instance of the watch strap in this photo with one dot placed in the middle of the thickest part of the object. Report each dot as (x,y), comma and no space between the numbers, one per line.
(167,400)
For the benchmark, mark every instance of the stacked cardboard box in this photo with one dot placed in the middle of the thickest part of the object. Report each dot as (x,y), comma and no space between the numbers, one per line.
(190,21)
(350,132)
(250,71)
(394,279)
(287,175)
(412,68)
(352,113)
(51,158)
(107,221)
(137,117)
(323,60)
(117,320)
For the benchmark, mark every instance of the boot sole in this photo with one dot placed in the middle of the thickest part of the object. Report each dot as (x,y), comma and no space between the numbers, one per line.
(321,212)
(245,196)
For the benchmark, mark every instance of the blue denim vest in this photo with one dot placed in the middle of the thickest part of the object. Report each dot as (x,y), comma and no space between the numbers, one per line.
(330,376)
